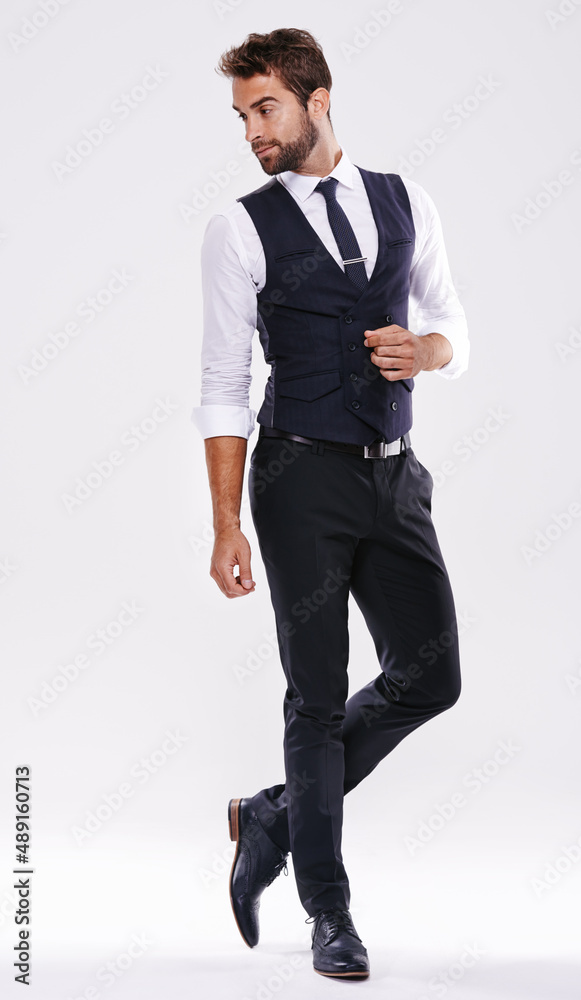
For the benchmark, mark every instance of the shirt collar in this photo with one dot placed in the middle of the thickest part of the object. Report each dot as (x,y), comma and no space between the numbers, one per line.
(303,185)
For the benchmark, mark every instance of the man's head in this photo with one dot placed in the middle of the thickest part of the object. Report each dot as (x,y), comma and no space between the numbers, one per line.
(280,88)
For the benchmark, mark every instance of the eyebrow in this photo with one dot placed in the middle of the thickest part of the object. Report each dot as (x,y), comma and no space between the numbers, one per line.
(262,100)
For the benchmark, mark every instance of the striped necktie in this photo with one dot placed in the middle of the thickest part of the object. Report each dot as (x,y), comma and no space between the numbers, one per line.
(343,233)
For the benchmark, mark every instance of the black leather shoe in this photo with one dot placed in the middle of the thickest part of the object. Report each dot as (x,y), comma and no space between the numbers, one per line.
(256,864)
(337,947)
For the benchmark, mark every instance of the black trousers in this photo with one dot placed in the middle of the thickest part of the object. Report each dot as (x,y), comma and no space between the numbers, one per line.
(330,524)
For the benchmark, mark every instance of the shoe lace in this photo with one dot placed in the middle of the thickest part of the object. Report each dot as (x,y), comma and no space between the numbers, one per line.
(335,919)
(281,866)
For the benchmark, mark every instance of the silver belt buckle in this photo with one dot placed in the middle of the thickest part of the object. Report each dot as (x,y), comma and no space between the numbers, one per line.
(381,449)
(375,450)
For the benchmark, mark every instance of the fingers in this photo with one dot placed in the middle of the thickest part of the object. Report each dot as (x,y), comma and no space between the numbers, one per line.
(397,351)
(226,556)
(392,375)
(245,576)
(389,361)
(393,351)
(390,335)
(392,367)
(230,585)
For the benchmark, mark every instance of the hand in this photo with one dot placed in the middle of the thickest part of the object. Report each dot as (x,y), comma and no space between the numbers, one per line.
(399,353)
(231,549)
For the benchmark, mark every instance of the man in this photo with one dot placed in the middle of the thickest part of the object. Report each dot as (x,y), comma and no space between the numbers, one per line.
(324,260)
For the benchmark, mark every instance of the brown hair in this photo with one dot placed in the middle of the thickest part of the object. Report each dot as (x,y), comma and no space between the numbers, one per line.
(292,54)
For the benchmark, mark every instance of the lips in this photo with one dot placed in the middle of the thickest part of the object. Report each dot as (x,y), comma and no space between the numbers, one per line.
(265,149)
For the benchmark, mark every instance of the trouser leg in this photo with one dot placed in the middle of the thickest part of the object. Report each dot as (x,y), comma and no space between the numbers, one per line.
(401,585)
(308,519)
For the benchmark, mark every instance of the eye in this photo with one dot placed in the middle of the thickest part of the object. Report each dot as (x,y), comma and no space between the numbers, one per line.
(242,116)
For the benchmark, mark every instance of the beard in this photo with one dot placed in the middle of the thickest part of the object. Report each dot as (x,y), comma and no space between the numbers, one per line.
(291,155)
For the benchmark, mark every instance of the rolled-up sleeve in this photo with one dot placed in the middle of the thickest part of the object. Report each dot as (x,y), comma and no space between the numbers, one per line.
(433,298)
(229,323)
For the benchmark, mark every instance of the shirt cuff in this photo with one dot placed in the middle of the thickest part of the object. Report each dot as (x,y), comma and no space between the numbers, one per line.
(458,363)
(222,420)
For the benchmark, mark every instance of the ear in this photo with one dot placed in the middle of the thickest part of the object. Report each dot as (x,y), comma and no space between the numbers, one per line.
(319,102)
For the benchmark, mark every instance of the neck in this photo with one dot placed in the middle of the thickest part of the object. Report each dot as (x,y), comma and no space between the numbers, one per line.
(322,159)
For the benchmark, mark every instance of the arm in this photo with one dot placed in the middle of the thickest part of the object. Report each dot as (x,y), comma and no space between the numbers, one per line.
(224,418)
(225,459)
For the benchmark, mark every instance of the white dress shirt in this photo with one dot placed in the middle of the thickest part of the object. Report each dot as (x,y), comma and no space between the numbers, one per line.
(234,271)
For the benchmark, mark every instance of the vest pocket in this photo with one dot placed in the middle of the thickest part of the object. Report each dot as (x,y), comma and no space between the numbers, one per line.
(309,387)
(291,254)
(398,243)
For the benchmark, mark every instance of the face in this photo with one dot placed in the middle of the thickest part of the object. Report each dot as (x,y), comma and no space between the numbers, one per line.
(280,131)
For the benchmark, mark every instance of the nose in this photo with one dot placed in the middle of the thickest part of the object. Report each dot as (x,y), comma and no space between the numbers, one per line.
(252,129)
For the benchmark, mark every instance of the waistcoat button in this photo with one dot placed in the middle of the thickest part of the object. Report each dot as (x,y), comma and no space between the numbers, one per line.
(389,318)
(355,404)
(394,406)
(348,319)
(352,346)
(353,377)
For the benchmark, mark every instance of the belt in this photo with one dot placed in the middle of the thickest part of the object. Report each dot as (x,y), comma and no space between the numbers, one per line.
(378,449)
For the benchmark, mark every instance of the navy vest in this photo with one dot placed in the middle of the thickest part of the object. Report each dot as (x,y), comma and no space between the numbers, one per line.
(322,382)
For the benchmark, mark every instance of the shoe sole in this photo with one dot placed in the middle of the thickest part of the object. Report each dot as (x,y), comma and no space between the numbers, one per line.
(234,831)
(343,975)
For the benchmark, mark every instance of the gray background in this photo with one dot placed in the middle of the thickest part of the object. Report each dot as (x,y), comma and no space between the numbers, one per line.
(158,865)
